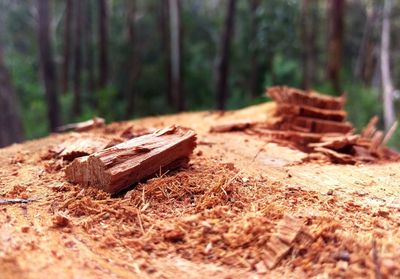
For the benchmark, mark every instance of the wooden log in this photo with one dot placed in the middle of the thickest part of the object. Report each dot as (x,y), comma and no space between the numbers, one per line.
(294,110)
(287,95)
(122,165)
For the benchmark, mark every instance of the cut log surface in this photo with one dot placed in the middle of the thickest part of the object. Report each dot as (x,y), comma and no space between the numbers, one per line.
(122,165)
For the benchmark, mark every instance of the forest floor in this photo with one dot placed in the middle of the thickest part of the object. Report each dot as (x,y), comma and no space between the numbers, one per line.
(214,218)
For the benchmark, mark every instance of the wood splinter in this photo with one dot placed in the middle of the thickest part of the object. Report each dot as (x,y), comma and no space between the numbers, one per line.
(116,168)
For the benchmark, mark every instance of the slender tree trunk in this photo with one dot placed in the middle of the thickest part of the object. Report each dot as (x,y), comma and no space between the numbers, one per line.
(224,56)
(176,54)
(89,51)
(77,59)
(388,106)
(103,44)
(254,53)
(67,45)
(166,49)
(133,70)
(363,68)
(47,64)
(10,123)
(335,47)
(308,43)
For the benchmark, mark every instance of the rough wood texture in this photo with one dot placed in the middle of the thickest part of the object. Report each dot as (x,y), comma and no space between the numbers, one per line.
(122,165)
(335,115)
(287,95)
(282,240)
(314,125)
(84,146)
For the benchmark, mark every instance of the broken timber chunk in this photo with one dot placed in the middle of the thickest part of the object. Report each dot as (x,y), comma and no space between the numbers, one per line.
(287,95)
(122,165)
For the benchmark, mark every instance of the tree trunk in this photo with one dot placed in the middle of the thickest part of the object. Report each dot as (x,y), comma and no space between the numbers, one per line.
(176,53)
(67,45)
(308,44)
(77,59)
(47,65)
(166,49)
(254,54)
(10,123)
(89,50)
(103,44)
(133,69)
(335,45)
(224,56)
(388,106)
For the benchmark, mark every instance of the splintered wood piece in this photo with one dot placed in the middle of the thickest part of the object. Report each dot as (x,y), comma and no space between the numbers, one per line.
(389,133)
(288,229)
(306,111)
(84,146)
(122,165)
(276,250)
(96,122)
(376,140)
(287,95)
(337,157)
(282,240)
(370,129)
(231,126)
(314,125)
(336,143)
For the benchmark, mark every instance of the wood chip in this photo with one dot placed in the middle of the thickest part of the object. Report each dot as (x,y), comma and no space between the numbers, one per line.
(282,240)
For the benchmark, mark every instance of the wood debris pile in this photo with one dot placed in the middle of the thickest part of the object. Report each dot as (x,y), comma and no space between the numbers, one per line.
(317,124)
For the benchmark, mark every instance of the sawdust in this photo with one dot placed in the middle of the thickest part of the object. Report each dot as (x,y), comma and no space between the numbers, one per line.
(221,216)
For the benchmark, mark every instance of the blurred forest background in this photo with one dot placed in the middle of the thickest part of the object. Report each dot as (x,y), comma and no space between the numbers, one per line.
(64,61)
